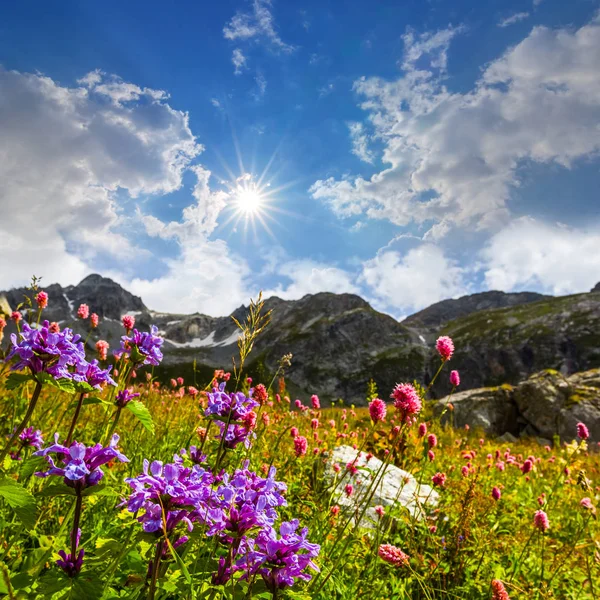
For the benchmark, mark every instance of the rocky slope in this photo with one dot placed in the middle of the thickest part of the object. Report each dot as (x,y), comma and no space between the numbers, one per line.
(544,405)
(339,341)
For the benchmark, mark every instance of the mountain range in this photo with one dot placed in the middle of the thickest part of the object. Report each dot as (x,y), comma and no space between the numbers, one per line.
(339,342)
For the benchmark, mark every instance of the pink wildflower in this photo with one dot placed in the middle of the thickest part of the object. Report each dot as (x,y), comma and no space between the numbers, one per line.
(349,489)
(298,403)
(527,466)
(2,324)
(392,555)
(431,455)
(582,431)
(496,493)
(42,299)
(192,391)
(180,381)
(439,479)
(54,327)
(454,378)
(94,320)
(445,347)
(432,440)
(377,410)
(422,429)
(16,316)
(128,322)
(102,349)
(499,591)
(260,394)
(540,520)
(294,432)
(465,471)
(314,424)
(406,400)
(173,383)
(380,510)
(586,503)
(316,403)
(83,312)
(300,445)
(335,510)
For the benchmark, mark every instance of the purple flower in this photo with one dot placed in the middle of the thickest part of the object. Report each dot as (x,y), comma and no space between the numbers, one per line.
(245,501)
(124,397)
(279,560)
(68,565)
(41,350)
(71,566)
(31,437)
(181,492)
(235,409)
(143,347)
(81,464)
(92,374)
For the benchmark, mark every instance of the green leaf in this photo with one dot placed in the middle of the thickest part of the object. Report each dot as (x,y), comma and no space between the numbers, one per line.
(142,413)
(99,490)
(56,489)
(20,500)
(63,384)
(89,400)
(31,465)
(14,380)
(83,386)
(86,586)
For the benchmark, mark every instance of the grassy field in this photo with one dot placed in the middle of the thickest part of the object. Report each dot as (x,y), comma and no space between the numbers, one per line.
(216,518)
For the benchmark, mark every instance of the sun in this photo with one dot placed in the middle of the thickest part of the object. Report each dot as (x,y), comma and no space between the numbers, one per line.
(249,200)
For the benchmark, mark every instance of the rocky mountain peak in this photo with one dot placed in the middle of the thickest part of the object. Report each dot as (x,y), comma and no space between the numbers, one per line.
(596,288)
(447,310)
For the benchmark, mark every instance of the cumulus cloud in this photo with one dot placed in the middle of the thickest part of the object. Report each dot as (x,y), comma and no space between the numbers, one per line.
(454,157)
(257,25)
(360,143)
(68,153)
(520,16)
(550,257)
(239,61)
(413,280)
(311,277)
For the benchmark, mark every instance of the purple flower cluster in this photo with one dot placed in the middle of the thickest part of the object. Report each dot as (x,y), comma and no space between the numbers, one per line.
(61,354)
(71,565)
(143,348)
(233,413)
(31,437)
(80,464)
(241,510)
(124,397)
(180,492)
(41,350)
(279,559)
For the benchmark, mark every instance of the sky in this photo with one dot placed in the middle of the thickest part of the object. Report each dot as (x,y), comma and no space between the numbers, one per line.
(199,152)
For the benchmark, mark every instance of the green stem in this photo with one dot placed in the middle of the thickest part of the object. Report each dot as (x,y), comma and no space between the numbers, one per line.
(74,420)
(17,432)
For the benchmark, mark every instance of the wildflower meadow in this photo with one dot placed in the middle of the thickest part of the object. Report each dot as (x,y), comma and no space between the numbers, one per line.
(115,484)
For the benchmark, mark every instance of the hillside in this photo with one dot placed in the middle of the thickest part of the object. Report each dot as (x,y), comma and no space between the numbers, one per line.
(339,341)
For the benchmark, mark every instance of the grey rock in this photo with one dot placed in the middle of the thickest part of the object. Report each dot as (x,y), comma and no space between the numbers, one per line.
(396,487)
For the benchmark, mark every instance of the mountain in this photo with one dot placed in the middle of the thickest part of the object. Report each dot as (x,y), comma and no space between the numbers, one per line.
(339,341)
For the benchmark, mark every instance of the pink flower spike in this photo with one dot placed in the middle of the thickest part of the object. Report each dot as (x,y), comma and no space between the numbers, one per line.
(377,410)
(392,555)
(94,320)
(128,322)
(541,521)
(582,431)
(42,299)
(83,312)
(445,347)
(454,378)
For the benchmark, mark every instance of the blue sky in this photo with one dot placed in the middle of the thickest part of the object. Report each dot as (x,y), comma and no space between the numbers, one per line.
(407,152)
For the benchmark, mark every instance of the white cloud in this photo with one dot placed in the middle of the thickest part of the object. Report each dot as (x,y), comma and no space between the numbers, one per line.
(69,154)
(433,47)
(257,25)
(453,157)
(413,280)
(520,16)
(326,90)
(310,277)
(239,61)
(360,143)
(261,86)
(207,278)
(551,257)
